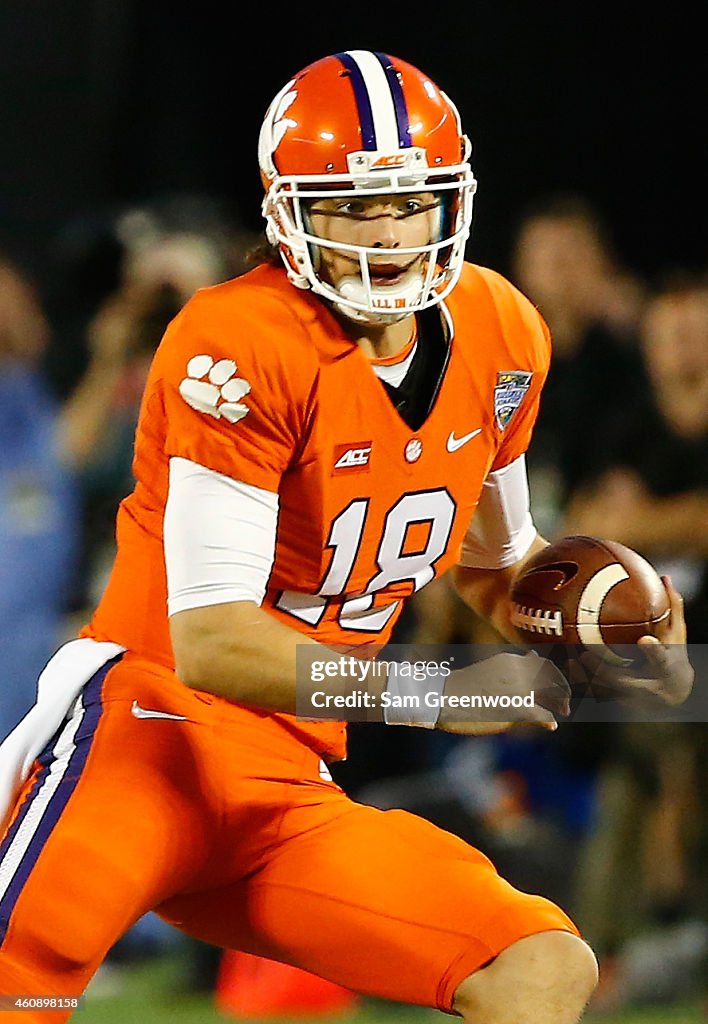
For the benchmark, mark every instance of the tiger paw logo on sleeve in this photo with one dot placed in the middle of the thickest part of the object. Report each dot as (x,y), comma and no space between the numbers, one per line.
(213,388)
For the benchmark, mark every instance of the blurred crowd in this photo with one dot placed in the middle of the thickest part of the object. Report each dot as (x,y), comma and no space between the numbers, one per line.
(608,820)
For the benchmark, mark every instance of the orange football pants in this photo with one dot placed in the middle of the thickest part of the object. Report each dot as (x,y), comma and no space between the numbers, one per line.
(221,822)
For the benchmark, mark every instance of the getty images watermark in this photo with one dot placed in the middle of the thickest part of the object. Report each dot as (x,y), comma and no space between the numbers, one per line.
(429,696)
(471,682)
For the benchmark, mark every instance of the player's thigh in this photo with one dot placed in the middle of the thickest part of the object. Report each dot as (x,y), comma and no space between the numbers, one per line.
(101,833)
(382,902)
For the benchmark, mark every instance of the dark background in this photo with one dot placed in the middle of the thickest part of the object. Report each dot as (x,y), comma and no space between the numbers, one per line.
(105,103)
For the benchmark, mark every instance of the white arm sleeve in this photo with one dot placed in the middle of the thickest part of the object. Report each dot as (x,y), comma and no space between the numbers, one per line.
(219,537)
(502,530)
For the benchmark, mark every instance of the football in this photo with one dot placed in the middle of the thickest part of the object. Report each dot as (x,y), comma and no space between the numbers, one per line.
(590,592)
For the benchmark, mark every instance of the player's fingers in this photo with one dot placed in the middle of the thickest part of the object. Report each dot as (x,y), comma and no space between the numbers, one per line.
(553,701)
(549,725)
(678,619)
(612,677)
(542,720)
(548,671)
(542,717)
(551,688)
(482,728)
(671,590)
(601,658)
(578,674)
(657,655)
(598,667)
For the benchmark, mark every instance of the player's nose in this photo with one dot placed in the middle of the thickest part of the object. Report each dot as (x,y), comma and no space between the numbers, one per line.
(383,231)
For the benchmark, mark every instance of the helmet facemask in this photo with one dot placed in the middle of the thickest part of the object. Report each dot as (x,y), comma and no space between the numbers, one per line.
(290,199)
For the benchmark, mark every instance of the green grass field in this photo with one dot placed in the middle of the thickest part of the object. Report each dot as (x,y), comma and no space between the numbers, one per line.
(151,995)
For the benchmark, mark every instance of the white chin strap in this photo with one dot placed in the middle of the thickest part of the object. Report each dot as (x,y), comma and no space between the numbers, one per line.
(395,302)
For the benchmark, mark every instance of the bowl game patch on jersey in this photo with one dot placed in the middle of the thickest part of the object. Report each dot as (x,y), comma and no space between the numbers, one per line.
(509,393)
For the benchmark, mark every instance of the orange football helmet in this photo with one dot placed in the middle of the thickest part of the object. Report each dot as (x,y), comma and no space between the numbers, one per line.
(358,124)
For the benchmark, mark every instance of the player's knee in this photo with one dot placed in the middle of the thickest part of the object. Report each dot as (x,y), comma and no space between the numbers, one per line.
(552,973)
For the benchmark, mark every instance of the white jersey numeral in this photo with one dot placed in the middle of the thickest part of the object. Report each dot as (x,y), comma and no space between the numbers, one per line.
(434,508)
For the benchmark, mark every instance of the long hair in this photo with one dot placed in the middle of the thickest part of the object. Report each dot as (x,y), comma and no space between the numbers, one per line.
(263,252)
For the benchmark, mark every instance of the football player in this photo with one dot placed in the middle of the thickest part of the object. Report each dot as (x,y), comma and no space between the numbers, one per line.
(318,440)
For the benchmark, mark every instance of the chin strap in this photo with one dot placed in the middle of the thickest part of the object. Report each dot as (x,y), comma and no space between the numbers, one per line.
(352,290)
(361,316)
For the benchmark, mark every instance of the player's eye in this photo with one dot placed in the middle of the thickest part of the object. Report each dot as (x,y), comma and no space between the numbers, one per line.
(355,209)
(410,205)
(351,208)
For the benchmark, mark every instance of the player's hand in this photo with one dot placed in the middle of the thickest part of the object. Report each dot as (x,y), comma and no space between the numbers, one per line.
(664,671)
(533,684)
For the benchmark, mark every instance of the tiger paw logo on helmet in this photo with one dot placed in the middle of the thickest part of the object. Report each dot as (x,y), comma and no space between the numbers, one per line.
(212,387)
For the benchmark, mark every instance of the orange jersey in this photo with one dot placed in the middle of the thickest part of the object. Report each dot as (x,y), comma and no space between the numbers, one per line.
(256,380)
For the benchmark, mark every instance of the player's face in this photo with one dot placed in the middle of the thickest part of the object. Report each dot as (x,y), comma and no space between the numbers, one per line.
(377,222)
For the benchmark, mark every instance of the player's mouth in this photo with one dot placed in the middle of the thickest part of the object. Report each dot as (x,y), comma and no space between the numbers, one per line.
(382,274)
(386,274)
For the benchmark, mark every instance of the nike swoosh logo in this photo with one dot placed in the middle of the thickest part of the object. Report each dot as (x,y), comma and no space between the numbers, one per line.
(139,712)
(453,443)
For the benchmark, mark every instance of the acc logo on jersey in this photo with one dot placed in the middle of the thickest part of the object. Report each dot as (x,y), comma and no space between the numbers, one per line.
(213,388)
(352,457)
(509,393)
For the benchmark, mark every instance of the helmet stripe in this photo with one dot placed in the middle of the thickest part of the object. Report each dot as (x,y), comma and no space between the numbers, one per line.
(374,99)
(361,96)
(399,100)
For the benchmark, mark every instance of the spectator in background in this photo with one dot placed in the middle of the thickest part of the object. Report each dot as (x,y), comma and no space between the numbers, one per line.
(563,260)
(649,487)
(643,878)
(85,265)
(38,501)
(161,267)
